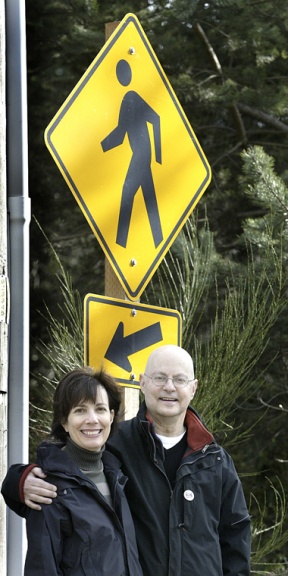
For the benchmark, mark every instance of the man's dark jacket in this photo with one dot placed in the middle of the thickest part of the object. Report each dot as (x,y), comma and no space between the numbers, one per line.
(80,534)
(202,526)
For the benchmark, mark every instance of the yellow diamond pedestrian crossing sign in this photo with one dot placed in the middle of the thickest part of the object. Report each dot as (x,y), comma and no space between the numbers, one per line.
(129,155)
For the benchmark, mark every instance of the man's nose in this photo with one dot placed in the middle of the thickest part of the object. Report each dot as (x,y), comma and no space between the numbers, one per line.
(169,383)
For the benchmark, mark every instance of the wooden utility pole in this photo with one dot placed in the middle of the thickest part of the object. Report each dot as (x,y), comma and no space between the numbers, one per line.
(114,289)
(3,291)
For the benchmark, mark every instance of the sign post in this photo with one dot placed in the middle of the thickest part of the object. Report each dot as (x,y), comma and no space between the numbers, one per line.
(114,289)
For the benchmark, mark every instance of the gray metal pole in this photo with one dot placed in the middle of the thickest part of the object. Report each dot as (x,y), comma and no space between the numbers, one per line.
(19,219)
(4,291)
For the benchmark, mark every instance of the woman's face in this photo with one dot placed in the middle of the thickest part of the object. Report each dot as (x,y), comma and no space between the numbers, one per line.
(89,424)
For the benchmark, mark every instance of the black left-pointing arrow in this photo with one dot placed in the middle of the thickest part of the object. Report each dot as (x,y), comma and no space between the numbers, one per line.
(121,347)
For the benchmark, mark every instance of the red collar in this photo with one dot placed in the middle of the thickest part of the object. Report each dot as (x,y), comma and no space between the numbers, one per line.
(198,436)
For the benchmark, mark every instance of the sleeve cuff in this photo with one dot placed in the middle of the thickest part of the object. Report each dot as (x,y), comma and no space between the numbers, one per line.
(22,480)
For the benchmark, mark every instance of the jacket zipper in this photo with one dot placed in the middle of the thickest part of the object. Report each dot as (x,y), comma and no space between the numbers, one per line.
(200,455)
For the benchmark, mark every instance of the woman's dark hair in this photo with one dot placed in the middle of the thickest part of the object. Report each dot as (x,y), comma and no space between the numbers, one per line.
(81,385)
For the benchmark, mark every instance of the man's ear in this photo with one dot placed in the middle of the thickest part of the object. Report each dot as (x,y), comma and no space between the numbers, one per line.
(142,382)
(195,385)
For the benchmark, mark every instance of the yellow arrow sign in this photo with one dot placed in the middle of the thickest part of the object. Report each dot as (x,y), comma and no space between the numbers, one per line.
(129,155)
(120,335)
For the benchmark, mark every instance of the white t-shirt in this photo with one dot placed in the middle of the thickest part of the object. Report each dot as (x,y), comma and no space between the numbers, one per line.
(170,441)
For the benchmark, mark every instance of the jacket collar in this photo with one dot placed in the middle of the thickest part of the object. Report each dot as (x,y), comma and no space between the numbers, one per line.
(50,457)
(198,436)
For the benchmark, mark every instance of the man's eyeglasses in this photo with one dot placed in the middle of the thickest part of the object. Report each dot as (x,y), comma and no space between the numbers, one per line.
(161,379)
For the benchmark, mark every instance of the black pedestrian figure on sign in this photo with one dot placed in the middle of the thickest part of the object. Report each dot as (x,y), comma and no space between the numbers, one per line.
(133,117)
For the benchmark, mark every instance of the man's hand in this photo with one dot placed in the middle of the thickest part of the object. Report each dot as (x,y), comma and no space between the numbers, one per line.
(36,490)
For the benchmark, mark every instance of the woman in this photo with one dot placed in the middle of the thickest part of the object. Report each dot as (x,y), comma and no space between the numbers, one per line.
(88,530)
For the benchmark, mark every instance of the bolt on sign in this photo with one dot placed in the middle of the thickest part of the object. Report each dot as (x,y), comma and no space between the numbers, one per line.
(129,155)
(120,335)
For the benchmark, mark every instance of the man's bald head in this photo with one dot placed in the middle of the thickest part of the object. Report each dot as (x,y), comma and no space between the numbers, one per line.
(170,353)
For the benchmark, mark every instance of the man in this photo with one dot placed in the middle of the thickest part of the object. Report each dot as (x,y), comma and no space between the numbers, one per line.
(184,493)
